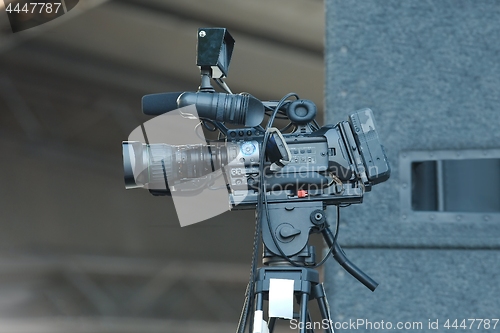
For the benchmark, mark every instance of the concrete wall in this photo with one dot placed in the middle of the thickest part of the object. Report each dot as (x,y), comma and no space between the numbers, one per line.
(430,71)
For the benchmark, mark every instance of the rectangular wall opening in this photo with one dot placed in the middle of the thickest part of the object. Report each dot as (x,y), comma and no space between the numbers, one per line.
(456,185)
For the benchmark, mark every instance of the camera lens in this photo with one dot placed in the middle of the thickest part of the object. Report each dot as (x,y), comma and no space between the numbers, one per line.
(133,164)
(154,166)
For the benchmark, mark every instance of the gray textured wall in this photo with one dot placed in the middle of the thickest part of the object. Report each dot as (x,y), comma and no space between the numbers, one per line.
(430,71)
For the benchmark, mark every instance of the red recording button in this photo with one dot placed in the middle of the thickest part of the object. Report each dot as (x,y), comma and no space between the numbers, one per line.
(302,193)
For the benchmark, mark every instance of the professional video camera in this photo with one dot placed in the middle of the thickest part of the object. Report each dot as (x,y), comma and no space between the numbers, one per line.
(302,162)
(289,175)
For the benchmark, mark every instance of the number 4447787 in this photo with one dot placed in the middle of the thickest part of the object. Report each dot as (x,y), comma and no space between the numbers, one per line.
(471,324)
(34,7)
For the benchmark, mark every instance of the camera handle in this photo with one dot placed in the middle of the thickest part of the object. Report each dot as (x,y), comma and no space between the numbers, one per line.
(340,257)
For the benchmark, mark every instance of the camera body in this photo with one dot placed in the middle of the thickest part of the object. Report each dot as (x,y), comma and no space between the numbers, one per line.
(334,164)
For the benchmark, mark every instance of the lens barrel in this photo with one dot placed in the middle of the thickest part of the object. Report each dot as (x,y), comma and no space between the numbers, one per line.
(154,166)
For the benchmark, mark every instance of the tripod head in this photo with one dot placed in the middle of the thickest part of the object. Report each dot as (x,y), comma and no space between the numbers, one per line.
(286,229)
(285,235)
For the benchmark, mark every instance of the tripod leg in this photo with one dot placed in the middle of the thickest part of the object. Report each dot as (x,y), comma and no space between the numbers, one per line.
(272,322)
(259,302)
(259,305)
(324,308)
(303,312)
(311,329)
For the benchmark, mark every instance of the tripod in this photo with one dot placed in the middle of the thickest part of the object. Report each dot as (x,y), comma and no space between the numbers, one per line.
(290,260)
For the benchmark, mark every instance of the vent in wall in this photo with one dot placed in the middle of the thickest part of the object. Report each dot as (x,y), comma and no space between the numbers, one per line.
(450,185)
